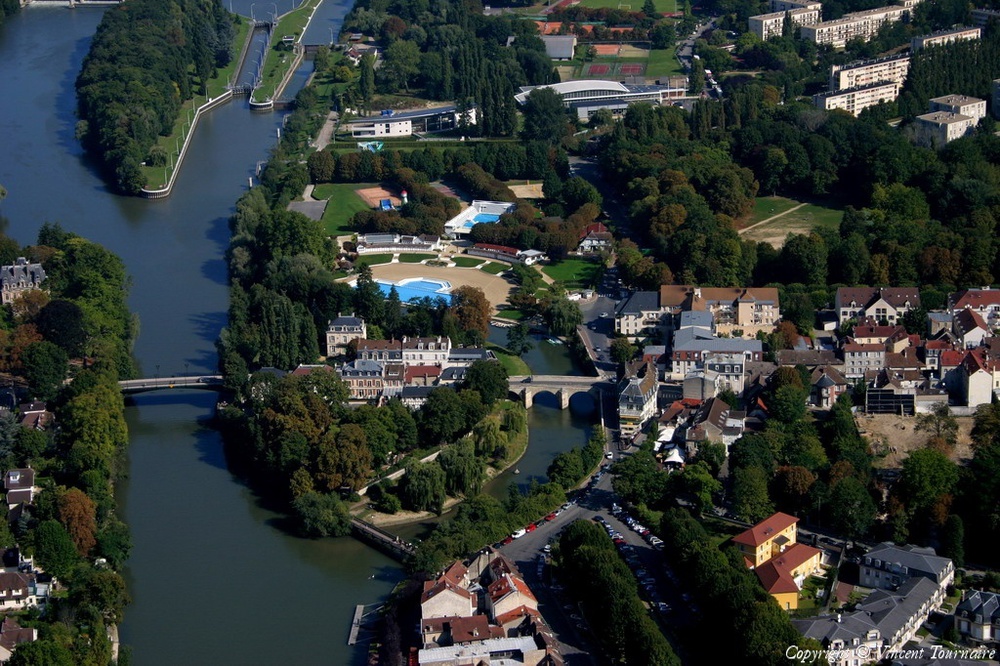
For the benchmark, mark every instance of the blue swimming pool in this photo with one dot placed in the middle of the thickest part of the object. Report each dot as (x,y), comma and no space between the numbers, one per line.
(486,217)
(416,289)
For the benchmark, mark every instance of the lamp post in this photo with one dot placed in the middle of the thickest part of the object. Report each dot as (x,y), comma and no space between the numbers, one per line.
(251,11)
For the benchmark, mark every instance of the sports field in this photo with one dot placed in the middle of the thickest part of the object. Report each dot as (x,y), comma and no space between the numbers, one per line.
(344,202)
(616,60)
(662,6)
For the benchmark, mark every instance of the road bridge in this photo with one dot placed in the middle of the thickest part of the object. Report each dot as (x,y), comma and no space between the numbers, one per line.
(563,387)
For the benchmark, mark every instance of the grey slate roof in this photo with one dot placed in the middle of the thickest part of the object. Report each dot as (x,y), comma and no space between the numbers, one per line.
(737,345)
(918,561)
(361,368)
(976,602)
(639,302)
(892,610)
(701,318)
(21,271)
(347,321)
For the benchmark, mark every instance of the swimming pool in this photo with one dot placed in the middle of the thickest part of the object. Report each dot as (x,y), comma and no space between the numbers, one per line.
(416,288)
(485,217)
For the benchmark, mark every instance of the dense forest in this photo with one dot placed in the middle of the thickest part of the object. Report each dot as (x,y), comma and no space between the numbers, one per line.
(145,60)
(78,326)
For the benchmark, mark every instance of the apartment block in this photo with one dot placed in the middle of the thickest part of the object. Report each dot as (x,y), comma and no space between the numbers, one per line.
(945,37)
(981,17)
(856,100)
(867,72)
(934,130)
(863,24)
(766,26)
(789,5)
(962,104)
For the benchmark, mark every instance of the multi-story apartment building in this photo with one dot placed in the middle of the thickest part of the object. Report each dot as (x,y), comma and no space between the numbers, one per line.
(789,5)
(945,37)
(732,308)
(770,25)
(939,128)
(640,316)
(856,100)
(864,25)
(892,69)
(636,397)
(771,550)
(887,304)
(981,17)
(972,107)
(859,358)
(342,331)
(888,566)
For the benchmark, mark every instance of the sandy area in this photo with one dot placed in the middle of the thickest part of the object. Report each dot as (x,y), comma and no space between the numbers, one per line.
(897,435)
(406,517)
(374,195)
(496,288)
(606,49)
(527,191)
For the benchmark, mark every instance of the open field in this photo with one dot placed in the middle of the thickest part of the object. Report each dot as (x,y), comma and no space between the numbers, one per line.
(662,6)
(343,204)
(895,437)
(573,273)
(663,62)
(789,217)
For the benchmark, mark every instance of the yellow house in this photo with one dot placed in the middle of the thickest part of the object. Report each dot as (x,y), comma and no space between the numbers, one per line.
(781,564)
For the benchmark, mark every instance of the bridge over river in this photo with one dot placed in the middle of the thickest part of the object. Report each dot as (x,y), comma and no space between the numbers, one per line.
(563,387)
(206,382)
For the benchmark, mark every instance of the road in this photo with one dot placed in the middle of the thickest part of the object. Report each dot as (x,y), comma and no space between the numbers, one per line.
(565,619)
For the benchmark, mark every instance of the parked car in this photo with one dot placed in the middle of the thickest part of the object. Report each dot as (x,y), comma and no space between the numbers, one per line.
(518,534)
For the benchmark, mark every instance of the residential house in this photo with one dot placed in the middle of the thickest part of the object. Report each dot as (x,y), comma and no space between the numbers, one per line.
(977,616)
(363,378)
(421,375)
(979,377)
(826,385)
(444,631)
(636,397)
(13,634)
(970,328)
(894,338)
(595,238)
(508,593)
(20,486)
(639,316)
(714,421)
(937,323)
(860,358)
(888,566)
(985,301)
(17,590)
(20,277)
(883,304)
(884,621)
(444,598)
(35,415)
(733,308)
(770,548)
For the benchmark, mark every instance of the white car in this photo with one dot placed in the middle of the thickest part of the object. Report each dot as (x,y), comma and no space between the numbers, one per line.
(518,534)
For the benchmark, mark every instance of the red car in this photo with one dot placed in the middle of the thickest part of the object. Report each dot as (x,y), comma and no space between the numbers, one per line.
(508,540)
(531,528)
(550,517)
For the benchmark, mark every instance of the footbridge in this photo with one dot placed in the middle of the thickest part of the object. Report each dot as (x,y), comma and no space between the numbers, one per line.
(206,382)
(563,387)
(376,536)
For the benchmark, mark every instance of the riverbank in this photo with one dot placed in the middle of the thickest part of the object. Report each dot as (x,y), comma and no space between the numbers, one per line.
(160,180)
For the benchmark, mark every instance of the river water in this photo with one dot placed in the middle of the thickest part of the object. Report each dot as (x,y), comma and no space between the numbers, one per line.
(214,579)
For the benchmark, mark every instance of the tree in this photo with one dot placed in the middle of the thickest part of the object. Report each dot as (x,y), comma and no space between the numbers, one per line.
(622,351)
(366,83)
(423,487)
(489,378)
(712,454)
(471,308)
(927,475)
(104,590)
(45,366)
(518,341)
(321,515)
(940,423)
(78,515)
(400,63)
(751,501)
(788,404)
(55,549)
(851,508)
(953,540)
(563,316)
(344,459)
(464,472)
(44,652)
(696,481)
(62,322)
(545,116)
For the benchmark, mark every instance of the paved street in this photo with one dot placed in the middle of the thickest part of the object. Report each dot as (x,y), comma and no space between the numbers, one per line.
(564,618)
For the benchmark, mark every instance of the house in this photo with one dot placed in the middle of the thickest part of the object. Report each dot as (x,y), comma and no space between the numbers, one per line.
(20,277)
(343,330)
(20,486)
(970,328)
(733,309)
(363,378)
(408,351)
(714,421)
(443,598)
(508,593)
(13,634)
(977,616)
(884,621)
(595,238)
(894,338)
(639,316)
(35,415)
(978,377)
(984,301)
(826,384)
(883,304)
(888,566)
(780,562)
(444,631)
(636,397)
(17,590)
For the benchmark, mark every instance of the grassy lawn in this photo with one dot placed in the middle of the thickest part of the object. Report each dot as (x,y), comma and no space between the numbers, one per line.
(514,365)
(511,313)
(798,218)
(374,259)
(415,258)
(719,530)
(573,273)
(662,6)
(494,268)
(663,62)
(343,204)
(467,262)
(157,177)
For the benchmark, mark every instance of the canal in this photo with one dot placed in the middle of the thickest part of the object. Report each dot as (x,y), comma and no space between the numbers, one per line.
(213,577)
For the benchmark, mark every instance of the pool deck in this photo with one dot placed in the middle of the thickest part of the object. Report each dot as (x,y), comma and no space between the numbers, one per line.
(496,288)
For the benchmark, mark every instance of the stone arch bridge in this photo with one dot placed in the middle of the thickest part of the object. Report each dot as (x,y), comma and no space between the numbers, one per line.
(563,387)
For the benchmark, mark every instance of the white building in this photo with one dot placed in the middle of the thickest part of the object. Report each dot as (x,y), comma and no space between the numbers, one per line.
(856,100)
(892,69)
(934,130)
(789,5)
(480,212)
(398,124)
(587,96)
(962,104)
(945,37)
(770,25)
(864,25)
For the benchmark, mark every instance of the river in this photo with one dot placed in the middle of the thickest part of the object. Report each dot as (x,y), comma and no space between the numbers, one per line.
(214,580)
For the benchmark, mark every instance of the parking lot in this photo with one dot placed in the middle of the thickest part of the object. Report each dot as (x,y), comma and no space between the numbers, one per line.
(658,585)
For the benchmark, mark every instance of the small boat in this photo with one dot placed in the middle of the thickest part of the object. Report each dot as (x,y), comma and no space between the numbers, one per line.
(517,471)
(554,341)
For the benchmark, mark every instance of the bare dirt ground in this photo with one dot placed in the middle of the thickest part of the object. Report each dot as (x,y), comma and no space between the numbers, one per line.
(532,191)
(896,436)
(374,195)
(496,288)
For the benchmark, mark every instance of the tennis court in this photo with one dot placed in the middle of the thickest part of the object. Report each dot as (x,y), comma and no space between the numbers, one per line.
(631,69)
(598,70)
(607,49)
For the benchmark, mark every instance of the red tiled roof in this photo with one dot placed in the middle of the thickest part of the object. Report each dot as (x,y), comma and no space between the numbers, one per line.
(858,347)
(455,573)
(595,228)
(775,574)
(766,529)
(434,588)
(473,628)
(421,371)
(520,611)
(951,358)
(974,298)
(503,249)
